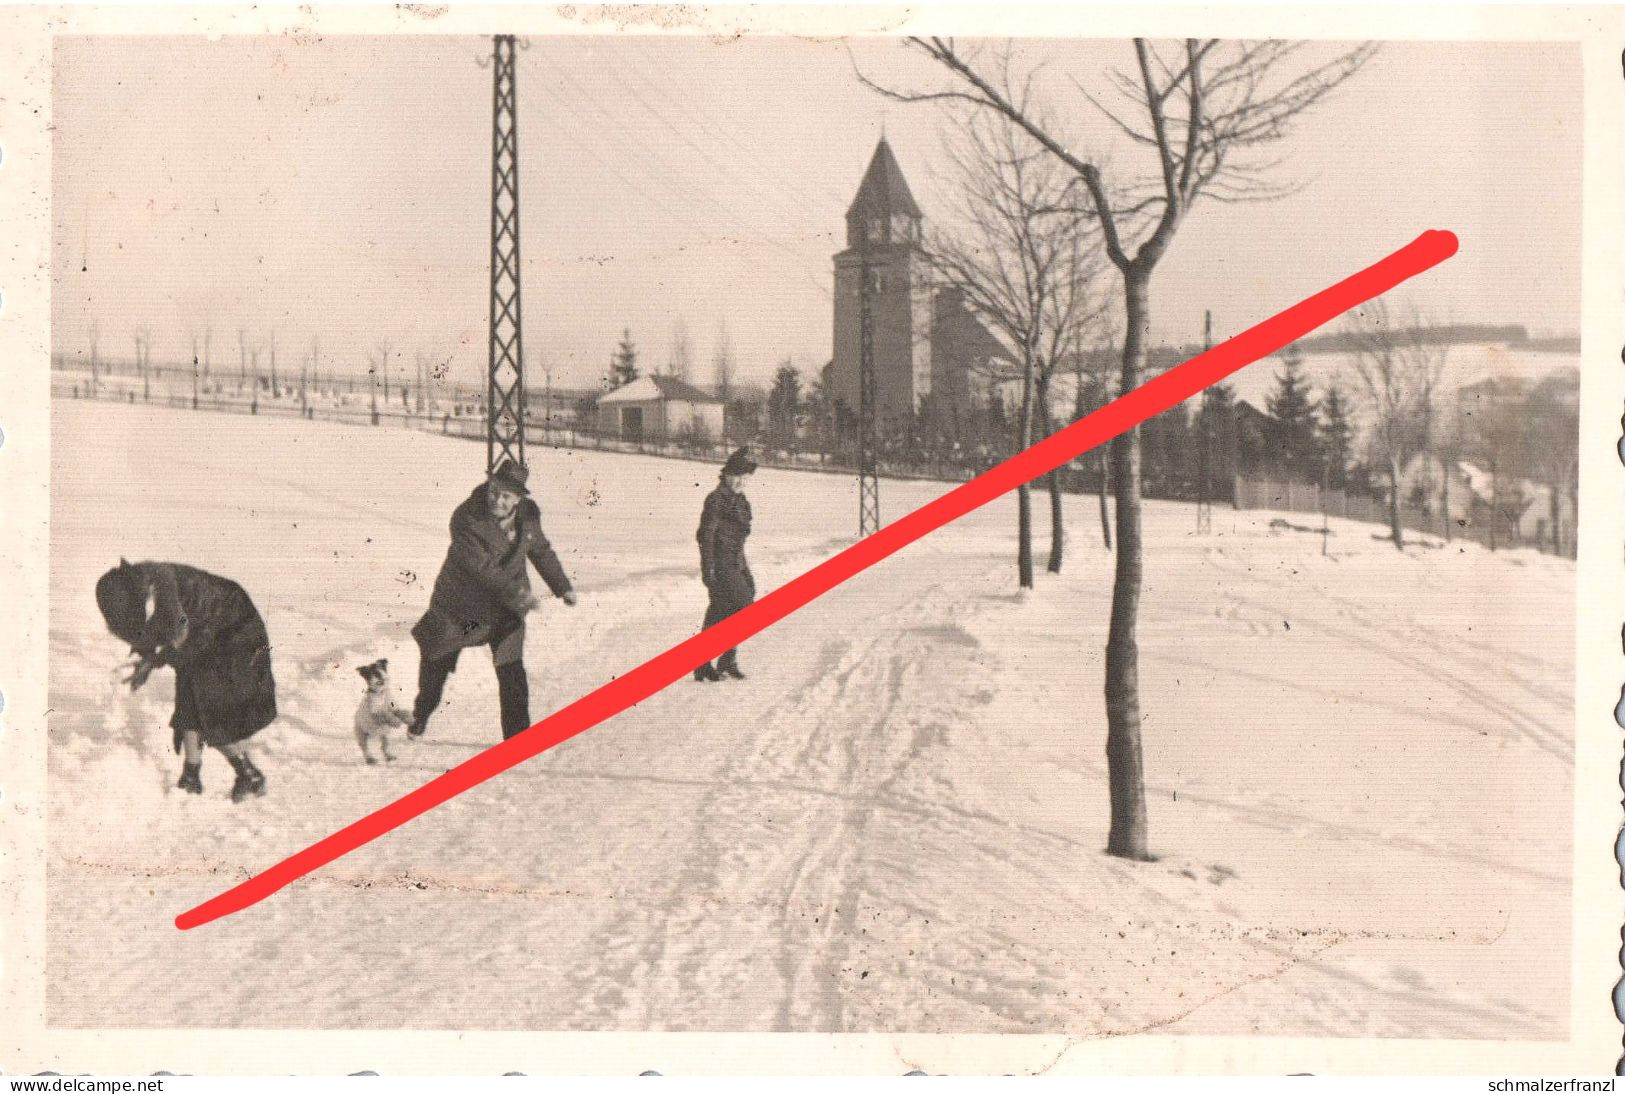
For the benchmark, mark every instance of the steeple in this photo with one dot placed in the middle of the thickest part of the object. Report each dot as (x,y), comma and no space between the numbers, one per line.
(884,211)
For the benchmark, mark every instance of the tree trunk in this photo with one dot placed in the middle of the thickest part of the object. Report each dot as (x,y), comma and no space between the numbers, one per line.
(1557,514)
(1124,763)
(1057,531)
(1445,502)
(1024,497)
(1024,533)
(1495,501)
(1105,515)
(1393,503)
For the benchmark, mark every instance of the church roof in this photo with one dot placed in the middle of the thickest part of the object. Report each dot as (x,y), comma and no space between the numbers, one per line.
(883,191)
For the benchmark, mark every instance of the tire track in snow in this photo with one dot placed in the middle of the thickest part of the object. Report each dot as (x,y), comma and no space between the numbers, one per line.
(807,856)
(1514,717)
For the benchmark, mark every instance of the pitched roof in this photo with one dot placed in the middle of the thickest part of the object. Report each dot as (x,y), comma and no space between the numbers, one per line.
(883,191)
(657,388)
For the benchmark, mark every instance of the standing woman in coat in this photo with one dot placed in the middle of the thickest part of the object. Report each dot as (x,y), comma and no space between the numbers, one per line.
(209,631)
(724,526)
(483,593)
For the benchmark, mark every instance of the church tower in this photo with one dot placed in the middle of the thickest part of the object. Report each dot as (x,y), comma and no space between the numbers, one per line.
(883,229)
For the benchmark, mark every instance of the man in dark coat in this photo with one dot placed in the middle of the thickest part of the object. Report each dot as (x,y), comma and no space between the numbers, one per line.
(724,526)
(483,593)
(208,629)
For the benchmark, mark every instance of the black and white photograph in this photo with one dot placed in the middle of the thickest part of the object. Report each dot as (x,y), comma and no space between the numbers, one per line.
(405,377)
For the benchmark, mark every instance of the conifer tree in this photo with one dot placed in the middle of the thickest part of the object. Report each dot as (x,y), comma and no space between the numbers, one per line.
(1335,437)
(623,368)
(1293,443)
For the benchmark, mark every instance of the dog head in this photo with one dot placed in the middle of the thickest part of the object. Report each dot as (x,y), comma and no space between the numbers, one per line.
(376,675)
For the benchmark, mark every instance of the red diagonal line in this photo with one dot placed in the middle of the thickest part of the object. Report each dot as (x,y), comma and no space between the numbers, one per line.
(1124,413)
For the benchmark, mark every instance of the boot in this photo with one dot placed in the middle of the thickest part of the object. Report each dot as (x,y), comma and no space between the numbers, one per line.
(250,780)
(728,665)
(706,674)
(191,780)
(431,685)
(513,694)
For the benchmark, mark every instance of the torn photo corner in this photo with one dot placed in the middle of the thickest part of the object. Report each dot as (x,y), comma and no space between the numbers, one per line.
(967,540)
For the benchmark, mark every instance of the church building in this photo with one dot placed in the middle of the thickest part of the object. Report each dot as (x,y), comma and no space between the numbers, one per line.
(925,340)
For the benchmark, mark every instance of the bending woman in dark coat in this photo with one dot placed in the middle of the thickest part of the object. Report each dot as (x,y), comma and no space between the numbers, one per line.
(208,630)
(724,526)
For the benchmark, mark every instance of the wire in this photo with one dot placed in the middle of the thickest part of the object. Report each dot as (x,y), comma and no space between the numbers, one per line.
(664,177)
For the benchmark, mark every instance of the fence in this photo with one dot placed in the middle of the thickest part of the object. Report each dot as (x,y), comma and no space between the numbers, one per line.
(1298,497)
(468,423)
(350,402)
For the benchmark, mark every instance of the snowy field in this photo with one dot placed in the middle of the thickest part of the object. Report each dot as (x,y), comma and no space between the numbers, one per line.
(1359,769)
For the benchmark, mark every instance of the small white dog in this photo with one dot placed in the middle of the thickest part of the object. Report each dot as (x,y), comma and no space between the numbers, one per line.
(378,714)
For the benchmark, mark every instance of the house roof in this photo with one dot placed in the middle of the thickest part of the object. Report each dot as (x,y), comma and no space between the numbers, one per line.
(649,389)
(883,190)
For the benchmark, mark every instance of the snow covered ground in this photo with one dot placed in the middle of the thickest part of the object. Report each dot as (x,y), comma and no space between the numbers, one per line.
(1359,769)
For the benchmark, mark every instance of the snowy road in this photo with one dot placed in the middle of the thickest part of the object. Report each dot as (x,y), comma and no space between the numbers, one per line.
(894,824)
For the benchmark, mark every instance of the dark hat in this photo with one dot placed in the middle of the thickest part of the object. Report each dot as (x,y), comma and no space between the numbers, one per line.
(122,598)
(739,463)
(511,476)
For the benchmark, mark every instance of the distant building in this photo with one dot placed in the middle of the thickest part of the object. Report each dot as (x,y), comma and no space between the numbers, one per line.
(966,360)
(660,408)
(925,339)
(1526,508)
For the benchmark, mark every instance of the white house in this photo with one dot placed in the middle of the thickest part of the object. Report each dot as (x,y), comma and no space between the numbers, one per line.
(660,408)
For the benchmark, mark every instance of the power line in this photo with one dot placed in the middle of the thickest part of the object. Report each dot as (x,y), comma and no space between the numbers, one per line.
(669,173)
(782,187)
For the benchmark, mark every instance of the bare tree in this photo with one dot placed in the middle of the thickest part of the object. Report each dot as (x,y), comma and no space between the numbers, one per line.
(1399,371)
(375,366)
(1092,389)
(1202,111)
(143,339)
(722,365)
(1553,414)
(1501,438)
(1446,441)
(681,361)
(1077,311)
(424,362)
(1017,253)
(1003,258)
(95,333)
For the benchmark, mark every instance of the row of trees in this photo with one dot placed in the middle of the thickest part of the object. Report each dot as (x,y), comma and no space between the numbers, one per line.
(257,370)
(1196,122)
(1205,114)
(1519,434)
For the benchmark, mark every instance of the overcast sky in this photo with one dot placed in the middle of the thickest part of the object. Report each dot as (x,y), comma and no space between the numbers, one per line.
(339,188)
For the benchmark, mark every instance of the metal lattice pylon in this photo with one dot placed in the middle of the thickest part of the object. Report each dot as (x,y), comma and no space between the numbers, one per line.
(505,398)
(868,464)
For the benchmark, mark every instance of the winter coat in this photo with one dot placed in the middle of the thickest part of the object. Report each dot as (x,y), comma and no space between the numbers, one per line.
(724,527)
(483,585)
(208,629)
